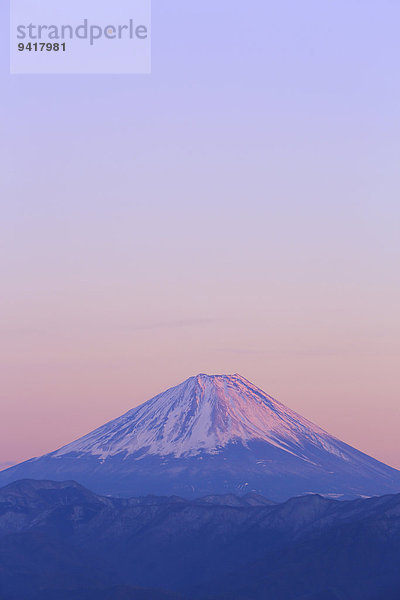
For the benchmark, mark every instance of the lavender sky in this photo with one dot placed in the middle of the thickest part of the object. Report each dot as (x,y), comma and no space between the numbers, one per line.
(236,211)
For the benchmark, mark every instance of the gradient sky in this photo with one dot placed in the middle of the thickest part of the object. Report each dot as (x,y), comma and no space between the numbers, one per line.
(236,211)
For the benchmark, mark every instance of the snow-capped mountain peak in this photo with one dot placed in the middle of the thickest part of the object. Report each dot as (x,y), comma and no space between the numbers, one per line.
(212,434)
(202,414)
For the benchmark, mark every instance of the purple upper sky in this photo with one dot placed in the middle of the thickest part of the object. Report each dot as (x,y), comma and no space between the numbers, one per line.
(236,211)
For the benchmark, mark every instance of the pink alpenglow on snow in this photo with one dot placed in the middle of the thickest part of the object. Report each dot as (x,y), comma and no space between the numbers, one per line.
(213,434)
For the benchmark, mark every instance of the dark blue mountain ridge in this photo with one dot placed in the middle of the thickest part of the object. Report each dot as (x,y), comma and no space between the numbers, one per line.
(59,541)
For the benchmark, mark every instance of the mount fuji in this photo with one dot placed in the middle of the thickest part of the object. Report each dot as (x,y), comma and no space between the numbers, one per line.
(212,434)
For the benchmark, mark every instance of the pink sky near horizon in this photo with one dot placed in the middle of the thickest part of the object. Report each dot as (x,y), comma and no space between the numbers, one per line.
(236,211)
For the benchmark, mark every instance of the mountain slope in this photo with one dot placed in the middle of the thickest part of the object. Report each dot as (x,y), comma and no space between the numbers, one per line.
(213,434)
(55,541)
(202,414)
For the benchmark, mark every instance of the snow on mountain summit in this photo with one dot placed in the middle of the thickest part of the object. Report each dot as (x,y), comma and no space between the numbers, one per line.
(202,415)
(212,434)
